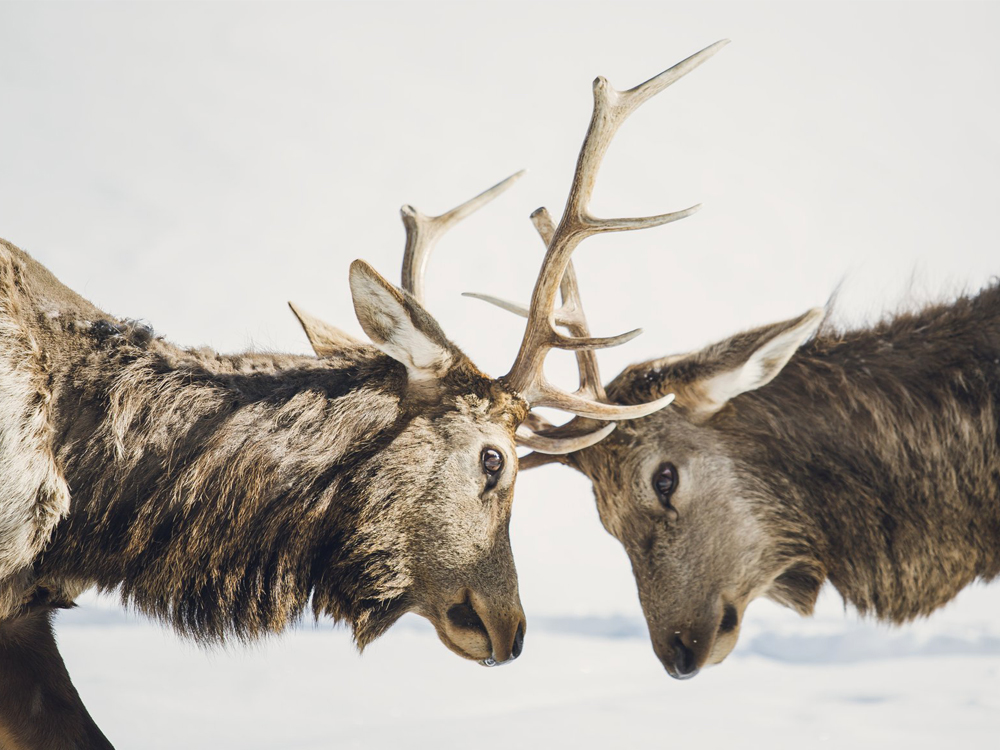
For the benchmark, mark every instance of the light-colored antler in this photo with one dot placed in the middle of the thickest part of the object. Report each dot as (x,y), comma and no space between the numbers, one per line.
(423,231)
(537,433)
(578,433)
(611,109)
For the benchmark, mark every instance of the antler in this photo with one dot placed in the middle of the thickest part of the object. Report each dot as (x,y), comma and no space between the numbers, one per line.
(422,232)
(537,433)
(576,434)
(611,109)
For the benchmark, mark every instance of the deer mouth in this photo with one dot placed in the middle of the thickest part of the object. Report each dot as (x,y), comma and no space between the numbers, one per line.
(465,633)
(454,647)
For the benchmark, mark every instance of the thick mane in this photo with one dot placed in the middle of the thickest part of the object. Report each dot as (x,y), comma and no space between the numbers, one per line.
(971,322)
(218,493)
(888,439)
(230,504)
(33,491)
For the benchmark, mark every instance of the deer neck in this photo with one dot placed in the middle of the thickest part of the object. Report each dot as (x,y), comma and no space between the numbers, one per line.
(217,492)
(881,446)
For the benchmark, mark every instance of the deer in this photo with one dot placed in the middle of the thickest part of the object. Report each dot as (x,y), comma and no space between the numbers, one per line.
(794,454)
(227,494)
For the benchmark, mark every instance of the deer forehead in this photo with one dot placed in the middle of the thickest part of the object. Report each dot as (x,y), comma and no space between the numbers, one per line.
(499,409)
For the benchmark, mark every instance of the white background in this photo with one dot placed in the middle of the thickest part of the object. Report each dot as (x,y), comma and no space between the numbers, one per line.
(198,165)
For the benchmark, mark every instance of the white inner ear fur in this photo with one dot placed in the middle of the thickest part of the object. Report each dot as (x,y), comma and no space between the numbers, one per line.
(762,366)
(382,312)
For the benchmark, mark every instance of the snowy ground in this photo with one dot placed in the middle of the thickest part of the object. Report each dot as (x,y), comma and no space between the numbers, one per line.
(197,165)
(581,683)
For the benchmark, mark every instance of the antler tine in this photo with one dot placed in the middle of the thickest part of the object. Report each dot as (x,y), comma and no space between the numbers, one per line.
(423,231)
(503,304)
(572,343)
(590,399)
(558,445)
(571,313)
(542,436)
(611,109)
(518,309)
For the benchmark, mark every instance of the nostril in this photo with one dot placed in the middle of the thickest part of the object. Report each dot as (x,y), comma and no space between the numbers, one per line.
(729,619)
(464,616)
(684,659)
(518,642)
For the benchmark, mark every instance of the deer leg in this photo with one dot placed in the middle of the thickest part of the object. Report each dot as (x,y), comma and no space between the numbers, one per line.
(39,707)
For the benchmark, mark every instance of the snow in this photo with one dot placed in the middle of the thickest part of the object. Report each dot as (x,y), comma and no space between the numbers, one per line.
(197,165)
(582,682)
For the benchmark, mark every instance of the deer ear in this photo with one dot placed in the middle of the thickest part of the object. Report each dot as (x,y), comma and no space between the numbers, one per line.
(399,326)
(706,380)
(326,340)
(745,362)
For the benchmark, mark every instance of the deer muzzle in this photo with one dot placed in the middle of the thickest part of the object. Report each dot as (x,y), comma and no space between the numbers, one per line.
(682,653)
(488,633)
(684,650)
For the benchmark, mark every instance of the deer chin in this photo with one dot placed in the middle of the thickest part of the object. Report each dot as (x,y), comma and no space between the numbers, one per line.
(469,643)
(475,651)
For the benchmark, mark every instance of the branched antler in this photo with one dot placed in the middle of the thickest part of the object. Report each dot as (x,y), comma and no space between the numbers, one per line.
(422,232)
(537,433)
(577,434)
(611,109)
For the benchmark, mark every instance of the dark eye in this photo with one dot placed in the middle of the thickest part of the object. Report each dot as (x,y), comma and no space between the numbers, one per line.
(665,482)
(492,460)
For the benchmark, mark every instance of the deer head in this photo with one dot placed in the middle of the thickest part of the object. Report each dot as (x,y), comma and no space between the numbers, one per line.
(678,490)
(450,470)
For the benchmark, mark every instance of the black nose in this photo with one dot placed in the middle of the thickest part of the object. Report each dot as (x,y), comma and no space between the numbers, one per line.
(685,664)
(518,643)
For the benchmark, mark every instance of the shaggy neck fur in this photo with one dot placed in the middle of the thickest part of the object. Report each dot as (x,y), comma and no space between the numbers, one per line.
(877,455)
(218,493)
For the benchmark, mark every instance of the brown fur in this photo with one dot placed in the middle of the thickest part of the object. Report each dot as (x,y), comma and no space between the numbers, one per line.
(871,460)
(39,707)
(228,494)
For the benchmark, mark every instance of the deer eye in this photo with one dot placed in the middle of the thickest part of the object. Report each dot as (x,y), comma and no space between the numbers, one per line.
(665,482)
(492,460)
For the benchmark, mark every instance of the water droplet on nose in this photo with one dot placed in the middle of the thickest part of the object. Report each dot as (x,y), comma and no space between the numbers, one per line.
(489,661)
